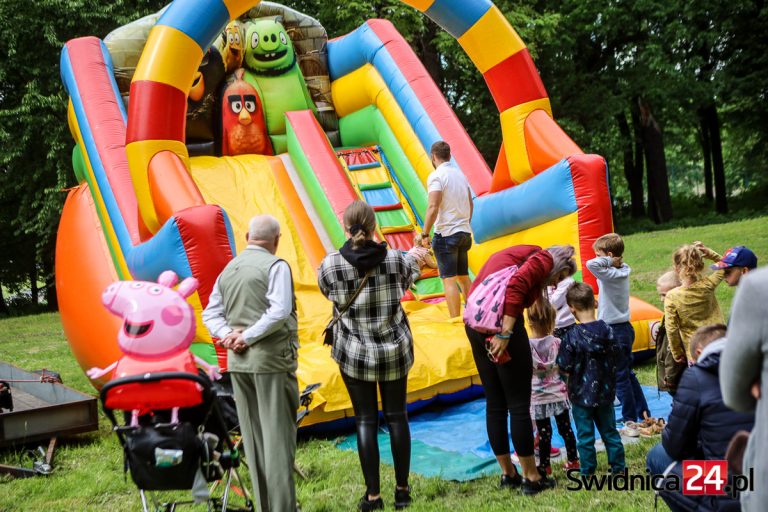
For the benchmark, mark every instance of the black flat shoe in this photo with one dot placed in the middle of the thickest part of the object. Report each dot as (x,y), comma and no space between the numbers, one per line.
(530,488)
(366,504)
(402,498)
(511,482)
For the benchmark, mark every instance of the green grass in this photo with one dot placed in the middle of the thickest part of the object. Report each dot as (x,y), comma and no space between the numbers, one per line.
(88,468)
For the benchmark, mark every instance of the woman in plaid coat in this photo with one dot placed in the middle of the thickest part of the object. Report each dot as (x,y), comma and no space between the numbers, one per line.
(373,344)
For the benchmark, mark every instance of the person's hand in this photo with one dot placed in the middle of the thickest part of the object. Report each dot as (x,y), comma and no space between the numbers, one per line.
(498,346)
(239,345)
(230,338)
(705,251)
(617,261)
(756,390)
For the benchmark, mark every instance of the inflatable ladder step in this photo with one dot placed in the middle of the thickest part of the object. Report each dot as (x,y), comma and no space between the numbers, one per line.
(388,207)
(402,240)
(361,167)
(375,186)
(393,230)
(380,197)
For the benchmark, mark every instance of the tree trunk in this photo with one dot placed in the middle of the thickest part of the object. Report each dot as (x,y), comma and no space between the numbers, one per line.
(712,122)
(632,171)
(3,306)
(33,284)
(706,149)
(659,200)
(427,51)
(637,132)
(50,281)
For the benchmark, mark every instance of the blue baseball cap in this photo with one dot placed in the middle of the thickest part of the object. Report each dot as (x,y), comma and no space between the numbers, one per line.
(738,256)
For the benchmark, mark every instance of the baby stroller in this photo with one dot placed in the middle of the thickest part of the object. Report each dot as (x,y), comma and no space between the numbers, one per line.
(186,454)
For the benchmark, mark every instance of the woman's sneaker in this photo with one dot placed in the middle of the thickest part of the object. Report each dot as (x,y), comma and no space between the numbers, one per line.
(530,487)
(366,504)
(402,498)
(511,482)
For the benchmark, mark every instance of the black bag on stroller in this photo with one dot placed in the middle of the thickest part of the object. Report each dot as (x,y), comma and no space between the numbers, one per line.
(164,455)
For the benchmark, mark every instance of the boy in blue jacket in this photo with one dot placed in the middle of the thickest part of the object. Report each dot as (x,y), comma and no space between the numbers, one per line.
(588,354)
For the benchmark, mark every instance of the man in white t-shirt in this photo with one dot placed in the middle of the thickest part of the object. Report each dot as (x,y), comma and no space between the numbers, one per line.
(450,211)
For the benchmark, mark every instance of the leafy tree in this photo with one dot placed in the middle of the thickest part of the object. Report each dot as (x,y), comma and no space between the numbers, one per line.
(673,92)
(35,162)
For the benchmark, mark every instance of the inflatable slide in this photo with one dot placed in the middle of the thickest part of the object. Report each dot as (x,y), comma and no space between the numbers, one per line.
(189,122)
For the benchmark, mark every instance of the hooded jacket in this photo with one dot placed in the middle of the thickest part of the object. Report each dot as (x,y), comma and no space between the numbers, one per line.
(700,424)
(547,386)
(588,356)
(372,339)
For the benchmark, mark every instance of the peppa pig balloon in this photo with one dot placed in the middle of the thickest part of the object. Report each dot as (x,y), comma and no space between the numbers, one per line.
(157,331)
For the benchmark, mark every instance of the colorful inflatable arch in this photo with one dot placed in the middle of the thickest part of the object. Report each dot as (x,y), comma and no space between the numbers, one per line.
(144,205)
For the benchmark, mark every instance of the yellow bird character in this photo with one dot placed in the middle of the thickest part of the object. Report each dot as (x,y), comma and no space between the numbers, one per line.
(232,46)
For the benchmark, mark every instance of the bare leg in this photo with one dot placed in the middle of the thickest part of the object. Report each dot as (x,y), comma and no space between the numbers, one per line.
(465,284)
(452,298)
(507,467)
(530,472)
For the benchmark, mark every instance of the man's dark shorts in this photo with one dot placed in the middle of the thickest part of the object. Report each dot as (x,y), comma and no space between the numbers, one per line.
(451,254)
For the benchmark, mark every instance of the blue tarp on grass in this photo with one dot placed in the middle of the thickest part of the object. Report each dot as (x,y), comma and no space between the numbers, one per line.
(452,442)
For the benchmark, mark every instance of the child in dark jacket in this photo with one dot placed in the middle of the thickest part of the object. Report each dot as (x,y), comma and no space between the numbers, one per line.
(700,424)
(588,355)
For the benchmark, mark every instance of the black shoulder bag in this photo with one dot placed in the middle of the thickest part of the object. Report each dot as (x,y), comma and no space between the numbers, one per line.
(328,332)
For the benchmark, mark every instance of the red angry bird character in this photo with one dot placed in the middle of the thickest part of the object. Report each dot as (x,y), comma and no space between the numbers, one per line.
(244,130)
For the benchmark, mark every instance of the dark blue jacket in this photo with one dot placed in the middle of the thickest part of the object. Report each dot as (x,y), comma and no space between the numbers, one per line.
(700,425)
(588,354)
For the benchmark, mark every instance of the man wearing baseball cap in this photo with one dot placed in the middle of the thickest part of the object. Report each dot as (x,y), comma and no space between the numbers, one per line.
(736,262)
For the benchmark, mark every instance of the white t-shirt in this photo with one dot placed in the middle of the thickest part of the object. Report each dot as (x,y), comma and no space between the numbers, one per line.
(454,213)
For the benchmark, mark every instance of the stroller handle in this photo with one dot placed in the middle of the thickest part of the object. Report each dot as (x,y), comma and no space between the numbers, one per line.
(149,377)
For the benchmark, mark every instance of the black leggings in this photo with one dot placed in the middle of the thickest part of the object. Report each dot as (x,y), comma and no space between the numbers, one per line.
(507,391)
(365,403)
(563,421)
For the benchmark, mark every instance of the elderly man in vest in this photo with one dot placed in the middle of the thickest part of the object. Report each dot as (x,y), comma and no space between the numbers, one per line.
(252,310)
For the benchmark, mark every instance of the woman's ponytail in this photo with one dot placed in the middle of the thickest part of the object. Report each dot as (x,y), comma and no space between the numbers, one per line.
(360,221)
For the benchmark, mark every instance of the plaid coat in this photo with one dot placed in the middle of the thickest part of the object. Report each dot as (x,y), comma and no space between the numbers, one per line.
(372,340)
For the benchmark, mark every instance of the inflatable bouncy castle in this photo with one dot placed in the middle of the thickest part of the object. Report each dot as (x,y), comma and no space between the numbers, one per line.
(189,122)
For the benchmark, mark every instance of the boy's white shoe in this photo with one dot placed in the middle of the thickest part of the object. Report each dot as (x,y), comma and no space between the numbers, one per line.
(631,429)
